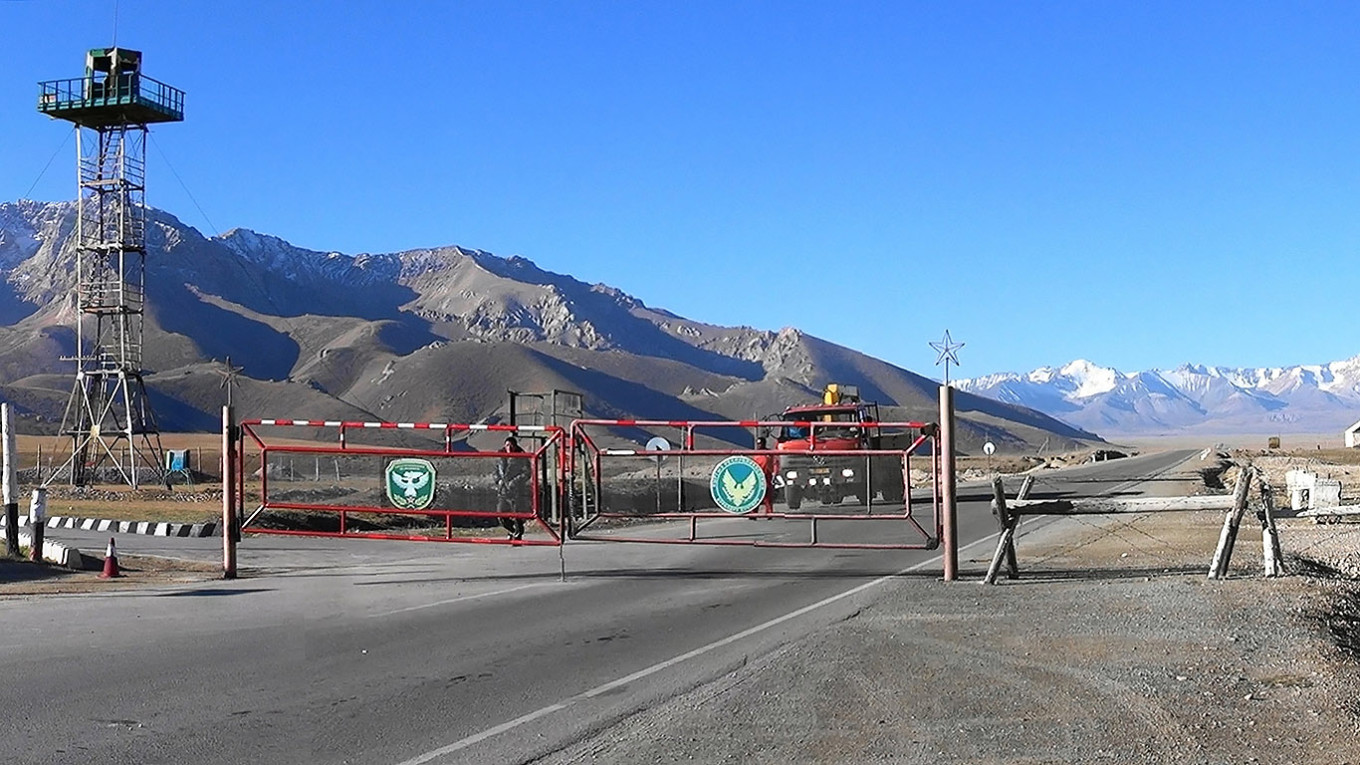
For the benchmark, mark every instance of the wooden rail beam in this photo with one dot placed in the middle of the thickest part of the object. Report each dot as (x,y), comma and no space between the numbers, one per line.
(1108,505)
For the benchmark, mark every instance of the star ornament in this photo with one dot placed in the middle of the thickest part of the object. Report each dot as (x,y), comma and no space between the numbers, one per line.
(948,351)
(228,374)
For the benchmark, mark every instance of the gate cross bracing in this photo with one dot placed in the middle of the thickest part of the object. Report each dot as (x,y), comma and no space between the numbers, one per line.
(402,489)
(613,485)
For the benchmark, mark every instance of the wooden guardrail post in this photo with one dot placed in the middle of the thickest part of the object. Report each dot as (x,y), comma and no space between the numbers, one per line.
(1271,555)
(1005,543)
(1026,487)
(1218,568)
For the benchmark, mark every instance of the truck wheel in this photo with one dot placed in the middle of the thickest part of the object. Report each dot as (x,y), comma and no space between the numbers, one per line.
(793,496)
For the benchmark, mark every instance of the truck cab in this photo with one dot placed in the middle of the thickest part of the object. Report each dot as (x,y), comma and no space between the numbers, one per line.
(841,422)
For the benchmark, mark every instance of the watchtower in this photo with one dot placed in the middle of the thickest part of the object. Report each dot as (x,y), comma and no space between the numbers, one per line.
(108,416)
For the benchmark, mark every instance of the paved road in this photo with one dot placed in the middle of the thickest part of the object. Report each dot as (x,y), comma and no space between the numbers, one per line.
(376,652)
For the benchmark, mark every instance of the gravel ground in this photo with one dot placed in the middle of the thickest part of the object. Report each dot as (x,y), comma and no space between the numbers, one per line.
(1113,646)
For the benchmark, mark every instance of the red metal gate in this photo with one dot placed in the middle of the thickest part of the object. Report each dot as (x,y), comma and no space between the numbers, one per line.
(409,481)
(621,487)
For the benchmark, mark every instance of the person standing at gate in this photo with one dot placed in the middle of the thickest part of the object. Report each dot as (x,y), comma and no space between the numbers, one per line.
(768,465)
(512,473)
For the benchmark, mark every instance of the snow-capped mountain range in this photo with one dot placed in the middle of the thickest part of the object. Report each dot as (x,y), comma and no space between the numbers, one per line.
(1313,398)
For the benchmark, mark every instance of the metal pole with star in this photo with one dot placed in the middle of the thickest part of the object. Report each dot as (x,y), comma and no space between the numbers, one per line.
(228,373)
(948,354)
(948,474)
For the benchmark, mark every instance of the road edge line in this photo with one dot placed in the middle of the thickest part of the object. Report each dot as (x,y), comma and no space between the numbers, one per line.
(599,690)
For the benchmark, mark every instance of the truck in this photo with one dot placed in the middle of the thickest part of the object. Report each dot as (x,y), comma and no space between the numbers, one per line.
(831,478)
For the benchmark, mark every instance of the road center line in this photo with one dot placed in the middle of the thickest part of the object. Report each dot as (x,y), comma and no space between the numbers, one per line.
(458,599)
(598,690)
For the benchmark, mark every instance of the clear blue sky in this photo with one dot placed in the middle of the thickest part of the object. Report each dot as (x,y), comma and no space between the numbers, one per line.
(1137,183)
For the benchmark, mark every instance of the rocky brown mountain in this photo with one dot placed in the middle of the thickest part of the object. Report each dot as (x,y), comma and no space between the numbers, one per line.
(430,334)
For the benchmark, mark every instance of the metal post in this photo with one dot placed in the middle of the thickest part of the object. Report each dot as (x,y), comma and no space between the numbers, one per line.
(11,484)
(680,480)
(229,532)
(946,478)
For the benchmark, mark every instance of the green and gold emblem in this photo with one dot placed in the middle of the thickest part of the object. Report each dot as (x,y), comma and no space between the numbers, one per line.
(410,483)
(738,484)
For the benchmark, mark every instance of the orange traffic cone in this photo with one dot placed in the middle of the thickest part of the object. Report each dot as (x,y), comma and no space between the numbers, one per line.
(110,562)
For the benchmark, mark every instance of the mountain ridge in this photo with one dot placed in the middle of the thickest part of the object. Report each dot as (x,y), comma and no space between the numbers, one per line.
(429,333)
(1304,398)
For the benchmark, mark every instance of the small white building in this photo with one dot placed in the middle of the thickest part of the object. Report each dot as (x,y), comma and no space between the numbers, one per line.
(1353,436)
(1308,492)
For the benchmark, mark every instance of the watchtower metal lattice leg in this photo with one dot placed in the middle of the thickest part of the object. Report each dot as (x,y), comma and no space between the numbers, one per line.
(108,416)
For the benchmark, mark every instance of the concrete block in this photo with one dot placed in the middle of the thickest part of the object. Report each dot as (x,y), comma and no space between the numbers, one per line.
(56,552)
(1326,493)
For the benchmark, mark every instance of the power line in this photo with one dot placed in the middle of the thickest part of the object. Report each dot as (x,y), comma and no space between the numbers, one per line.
(50,159)
(289,326)
(183,185)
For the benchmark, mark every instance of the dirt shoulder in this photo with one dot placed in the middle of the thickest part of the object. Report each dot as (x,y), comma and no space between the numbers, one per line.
(20,577)
(1112,646)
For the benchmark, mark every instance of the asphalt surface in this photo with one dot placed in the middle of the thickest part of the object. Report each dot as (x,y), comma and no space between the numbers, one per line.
(335,651)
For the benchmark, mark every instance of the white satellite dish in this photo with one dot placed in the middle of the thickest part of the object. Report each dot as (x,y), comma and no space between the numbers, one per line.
(989,448)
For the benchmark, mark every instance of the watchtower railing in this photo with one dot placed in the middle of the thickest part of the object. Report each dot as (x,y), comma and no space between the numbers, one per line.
(129,88)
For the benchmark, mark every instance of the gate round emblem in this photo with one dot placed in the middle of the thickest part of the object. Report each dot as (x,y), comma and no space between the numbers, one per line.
(738,484)
(410,483)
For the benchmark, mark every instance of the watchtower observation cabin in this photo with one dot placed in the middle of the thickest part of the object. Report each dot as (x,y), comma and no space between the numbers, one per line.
(111,107)
(113,92)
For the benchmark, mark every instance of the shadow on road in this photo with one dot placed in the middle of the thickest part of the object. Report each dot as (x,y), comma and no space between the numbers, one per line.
(212,593)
